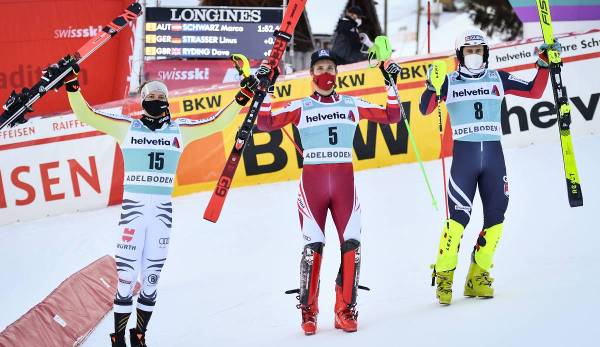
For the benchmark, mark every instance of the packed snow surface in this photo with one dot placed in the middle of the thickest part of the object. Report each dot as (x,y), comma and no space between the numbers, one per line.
(223,283)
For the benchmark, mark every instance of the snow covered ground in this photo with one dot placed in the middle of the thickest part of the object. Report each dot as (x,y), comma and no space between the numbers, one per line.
(223,284)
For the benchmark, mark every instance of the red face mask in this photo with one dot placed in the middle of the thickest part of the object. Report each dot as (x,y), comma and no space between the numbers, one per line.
(324,81)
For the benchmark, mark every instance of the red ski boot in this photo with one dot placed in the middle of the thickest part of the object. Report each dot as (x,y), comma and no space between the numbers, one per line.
(310,267)
(345,314)
(309,318)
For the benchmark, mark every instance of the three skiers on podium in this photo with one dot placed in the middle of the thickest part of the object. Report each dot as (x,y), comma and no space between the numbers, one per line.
(326,121)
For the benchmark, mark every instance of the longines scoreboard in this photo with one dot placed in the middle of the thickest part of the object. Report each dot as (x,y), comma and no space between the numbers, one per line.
(210,32)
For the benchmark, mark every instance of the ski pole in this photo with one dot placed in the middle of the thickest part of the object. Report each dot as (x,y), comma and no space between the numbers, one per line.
(294,142)
(438,75)
(428,27)
(381,50)
(414,145)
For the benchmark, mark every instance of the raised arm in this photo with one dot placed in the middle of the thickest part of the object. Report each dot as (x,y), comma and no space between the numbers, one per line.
(391,113)
(269,121)
(429,97)
(388,115)
(533,89)
(113,125)
(193,130)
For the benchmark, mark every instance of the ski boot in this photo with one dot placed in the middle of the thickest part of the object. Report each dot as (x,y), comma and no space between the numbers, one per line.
(310,268)
(346,317)
(309,318)
(137,338)
(444,280)
(479,282)
(117,340)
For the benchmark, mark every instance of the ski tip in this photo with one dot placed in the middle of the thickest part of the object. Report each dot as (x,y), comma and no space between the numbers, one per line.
(576,203)
(211,218)
(211,215)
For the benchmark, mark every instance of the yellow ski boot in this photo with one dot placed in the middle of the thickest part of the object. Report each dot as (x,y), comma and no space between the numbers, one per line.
(446,261)
(444,280)
(479,282)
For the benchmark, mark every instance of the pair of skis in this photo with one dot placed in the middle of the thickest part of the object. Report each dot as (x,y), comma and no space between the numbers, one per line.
(282,38)
(20,103)
(562,104)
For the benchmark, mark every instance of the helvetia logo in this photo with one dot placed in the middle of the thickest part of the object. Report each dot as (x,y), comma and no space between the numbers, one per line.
(145,141)
(351,116)
(328,116)
(470,92)
(175,143)
(476,92)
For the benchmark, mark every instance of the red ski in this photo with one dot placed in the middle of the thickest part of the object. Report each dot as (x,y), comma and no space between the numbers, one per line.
(282,37)
(20,103)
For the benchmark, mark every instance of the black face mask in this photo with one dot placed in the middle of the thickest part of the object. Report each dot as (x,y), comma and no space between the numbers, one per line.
(155,108)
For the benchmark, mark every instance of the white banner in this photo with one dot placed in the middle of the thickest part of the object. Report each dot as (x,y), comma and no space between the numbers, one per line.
(52,166)
(528,121)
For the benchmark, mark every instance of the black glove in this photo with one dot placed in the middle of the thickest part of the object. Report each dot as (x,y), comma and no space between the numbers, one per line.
(71,81)
(248,88)
(390,73)
(263,74)
(250,83)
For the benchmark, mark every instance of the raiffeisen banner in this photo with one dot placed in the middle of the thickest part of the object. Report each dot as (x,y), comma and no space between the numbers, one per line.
(58,165)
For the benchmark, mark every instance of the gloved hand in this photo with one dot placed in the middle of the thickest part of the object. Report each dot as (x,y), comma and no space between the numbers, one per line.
(251,84)
(365,40)
(248,88)
(543,60)
(71,81)
(428,83)
(390,71)
(263,75)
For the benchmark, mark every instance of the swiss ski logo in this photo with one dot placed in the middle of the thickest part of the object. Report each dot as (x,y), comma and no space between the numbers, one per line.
(506,186)
(128,234)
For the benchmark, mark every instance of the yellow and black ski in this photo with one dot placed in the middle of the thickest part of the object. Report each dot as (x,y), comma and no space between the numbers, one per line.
(562,106)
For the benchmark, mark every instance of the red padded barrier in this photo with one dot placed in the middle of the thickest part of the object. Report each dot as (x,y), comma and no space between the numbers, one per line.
(70,312)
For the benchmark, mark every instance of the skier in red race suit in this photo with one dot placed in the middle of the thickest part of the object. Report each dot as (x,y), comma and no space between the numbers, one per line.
(327,122)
